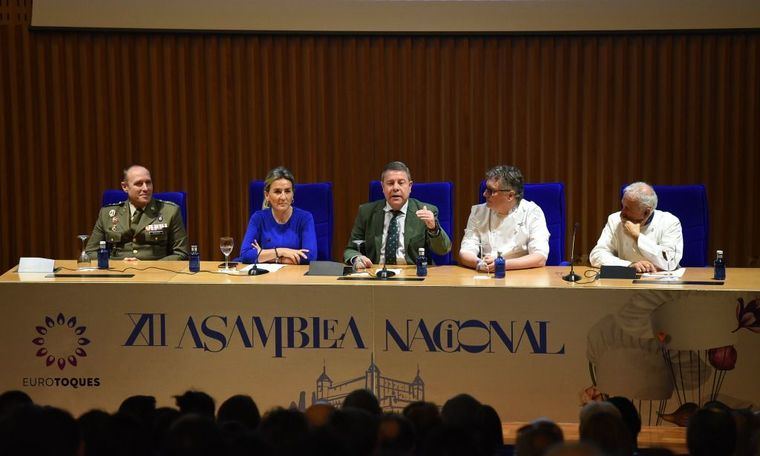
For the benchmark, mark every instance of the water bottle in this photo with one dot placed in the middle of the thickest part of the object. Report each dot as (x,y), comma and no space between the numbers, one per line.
(500,267)
(720,266)
(195,259)
(103,256)
(421,263)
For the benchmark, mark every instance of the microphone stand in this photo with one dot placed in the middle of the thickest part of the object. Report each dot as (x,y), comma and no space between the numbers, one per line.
(255,271)
(572,276)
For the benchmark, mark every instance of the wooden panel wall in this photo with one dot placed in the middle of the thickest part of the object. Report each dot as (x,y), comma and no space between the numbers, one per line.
(208,112)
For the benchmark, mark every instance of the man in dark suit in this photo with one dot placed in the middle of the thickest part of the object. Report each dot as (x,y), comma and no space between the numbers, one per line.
(140,228)
(395,228)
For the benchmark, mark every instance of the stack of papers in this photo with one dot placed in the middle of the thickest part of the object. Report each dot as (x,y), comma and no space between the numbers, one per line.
(665,275)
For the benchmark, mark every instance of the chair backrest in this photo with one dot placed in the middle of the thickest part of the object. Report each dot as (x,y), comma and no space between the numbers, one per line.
(550,197)
(179,198)
(440,194)
(316,198)
(689,204)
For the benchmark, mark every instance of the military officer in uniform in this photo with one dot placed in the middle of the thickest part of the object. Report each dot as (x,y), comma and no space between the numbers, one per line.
(141,228)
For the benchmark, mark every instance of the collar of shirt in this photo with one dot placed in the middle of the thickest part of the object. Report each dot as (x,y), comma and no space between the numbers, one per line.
(648,220)
(388,207)
(514,212)
(132,210)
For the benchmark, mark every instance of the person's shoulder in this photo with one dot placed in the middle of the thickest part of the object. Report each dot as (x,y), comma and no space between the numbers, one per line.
(162,203)
(372,205)
(262,214)
(478,209)
(530,206)
(109,208)
(416,205)
(666,217)
(302,214)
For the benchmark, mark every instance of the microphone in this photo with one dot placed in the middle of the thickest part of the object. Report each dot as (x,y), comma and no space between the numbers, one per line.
(572,276)
(255,271)
(384,273)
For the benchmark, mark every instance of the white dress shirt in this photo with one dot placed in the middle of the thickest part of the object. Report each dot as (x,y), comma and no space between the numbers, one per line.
(401,219)
(521,232)
(660,242)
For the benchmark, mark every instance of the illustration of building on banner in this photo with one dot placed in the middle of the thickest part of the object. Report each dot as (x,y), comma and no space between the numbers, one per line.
(392,393)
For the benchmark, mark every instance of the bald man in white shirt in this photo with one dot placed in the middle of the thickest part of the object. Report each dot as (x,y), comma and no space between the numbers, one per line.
(639,235)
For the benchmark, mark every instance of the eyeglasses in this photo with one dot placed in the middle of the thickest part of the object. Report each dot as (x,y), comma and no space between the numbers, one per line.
(490,191)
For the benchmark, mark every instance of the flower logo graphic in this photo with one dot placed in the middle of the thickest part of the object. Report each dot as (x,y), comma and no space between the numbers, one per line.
(60,341)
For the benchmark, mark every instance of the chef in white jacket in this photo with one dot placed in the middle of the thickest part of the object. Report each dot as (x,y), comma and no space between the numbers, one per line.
(639,235)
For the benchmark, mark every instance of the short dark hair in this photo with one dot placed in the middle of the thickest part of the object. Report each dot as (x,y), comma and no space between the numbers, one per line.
(537,437)
(196,402)
(242,409)
(396,166)
(511,176)
(711,431)
(363,399)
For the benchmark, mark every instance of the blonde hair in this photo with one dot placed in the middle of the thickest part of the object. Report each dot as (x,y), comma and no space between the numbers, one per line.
(278,173)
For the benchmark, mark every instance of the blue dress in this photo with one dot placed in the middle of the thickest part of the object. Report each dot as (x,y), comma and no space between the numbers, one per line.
(296,233)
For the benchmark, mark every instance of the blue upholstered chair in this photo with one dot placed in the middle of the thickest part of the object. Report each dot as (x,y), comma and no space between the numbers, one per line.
(689,204)
(178,198)
(440,194)
(550,197)
(316,198)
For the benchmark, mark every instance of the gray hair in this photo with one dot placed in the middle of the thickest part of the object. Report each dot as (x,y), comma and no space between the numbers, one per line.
(396,166)
(643,193)
(511,176)
(278,173)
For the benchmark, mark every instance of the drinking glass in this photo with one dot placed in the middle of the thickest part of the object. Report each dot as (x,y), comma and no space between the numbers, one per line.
(226,244)
(482,266)
(669,255)
(83,262)
(359,265)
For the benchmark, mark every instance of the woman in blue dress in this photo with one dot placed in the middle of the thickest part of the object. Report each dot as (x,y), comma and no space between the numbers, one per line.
(280,232)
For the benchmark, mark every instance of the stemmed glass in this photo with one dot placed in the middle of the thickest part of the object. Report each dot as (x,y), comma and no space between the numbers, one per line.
(669,255)
(83,262)
(359,265)
(482,266)
(226,244)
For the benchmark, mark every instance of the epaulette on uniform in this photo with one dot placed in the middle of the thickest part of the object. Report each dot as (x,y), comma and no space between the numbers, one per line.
(168,202)
(118,203)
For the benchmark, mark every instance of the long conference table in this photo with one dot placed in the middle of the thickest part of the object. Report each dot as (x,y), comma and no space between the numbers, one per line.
(530,345)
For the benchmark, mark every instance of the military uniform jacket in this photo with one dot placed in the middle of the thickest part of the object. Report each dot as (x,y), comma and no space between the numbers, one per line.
(159,234)
(369,227)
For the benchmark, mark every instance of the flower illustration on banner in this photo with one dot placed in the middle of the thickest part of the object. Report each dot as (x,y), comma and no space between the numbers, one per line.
(723,358)
(590,394)
(748,316)
(61,341)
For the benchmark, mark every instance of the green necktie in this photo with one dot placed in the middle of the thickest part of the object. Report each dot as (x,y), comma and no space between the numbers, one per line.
(136,217)
(391,242)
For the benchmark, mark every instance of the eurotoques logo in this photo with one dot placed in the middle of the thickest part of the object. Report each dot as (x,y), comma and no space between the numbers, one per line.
(61,342)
